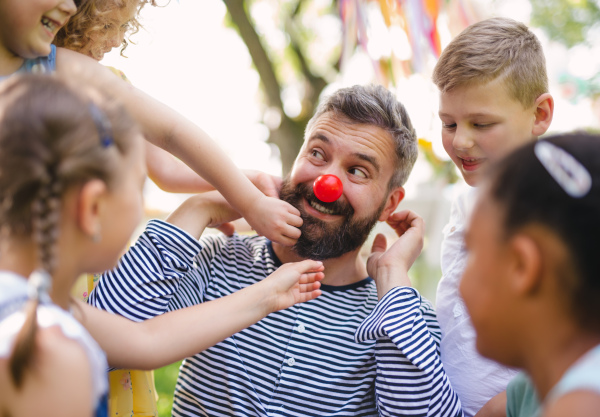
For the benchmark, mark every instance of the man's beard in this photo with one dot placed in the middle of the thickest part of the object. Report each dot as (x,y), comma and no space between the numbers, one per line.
(320,240)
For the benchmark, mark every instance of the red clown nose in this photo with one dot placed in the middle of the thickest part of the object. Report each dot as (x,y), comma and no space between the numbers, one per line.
(328,188)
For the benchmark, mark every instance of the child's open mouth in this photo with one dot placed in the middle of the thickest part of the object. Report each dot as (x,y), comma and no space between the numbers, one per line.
(49,24)
(471,164)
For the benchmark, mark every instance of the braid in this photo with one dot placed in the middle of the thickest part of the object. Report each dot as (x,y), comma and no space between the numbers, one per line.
(45,212)
(45,223)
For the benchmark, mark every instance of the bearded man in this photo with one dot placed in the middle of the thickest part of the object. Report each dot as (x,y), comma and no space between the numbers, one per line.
(368,346)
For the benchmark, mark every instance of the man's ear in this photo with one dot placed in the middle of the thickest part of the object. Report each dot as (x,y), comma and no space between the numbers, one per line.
(393,199)
(544,111)
(526,264)
(89,207)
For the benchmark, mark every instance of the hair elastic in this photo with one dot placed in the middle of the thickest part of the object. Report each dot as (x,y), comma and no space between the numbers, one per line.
(567,171)
(38,285)
(102,125)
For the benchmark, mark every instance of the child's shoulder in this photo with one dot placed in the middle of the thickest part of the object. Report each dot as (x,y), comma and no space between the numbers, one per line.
(58,384)
(74,64)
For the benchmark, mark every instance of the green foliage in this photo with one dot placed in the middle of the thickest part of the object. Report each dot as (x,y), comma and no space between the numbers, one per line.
(566,21)
(165,379)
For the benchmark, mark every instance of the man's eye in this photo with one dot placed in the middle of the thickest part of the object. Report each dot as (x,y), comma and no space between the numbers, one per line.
(448,125)
(358,172)
(317,154)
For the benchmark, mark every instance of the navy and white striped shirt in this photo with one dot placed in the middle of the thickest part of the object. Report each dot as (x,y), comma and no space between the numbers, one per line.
(342,354)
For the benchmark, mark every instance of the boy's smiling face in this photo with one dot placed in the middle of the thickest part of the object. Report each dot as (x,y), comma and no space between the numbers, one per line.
(481,123)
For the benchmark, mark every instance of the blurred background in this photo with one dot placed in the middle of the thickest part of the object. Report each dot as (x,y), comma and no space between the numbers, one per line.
(250,73)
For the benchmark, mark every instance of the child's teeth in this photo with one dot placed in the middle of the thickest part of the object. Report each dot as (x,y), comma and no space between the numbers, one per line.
(46,22)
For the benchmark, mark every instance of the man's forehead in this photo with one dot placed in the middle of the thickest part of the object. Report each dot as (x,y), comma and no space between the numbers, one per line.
(330,127)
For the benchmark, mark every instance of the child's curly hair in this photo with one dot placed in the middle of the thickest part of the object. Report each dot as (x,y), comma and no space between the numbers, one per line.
(90,18)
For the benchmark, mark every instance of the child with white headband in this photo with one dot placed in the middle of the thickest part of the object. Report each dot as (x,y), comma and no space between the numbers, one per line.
(532,280)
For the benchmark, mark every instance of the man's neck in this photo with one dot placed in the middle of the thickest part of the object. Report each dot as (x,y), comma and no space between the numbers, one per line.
(344,270)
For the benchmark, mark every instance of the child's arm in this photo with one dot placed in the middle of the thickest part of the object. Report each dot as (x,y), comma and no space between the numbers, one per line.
(176,335)
(495,407)
(271,217)
(172,175)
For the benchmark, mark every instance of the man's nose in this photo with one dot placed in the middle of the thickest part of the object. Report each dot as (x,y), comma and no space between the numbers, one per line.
(328,188)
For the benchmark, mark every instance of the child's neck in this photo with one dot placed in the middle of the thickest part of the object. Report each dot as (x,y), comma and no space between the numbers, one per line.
(551,362)
(9,62)
(20,257)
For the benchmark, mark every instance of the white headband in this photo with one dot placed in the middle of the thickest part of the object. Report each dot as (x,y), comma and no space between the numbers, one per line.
(567,171)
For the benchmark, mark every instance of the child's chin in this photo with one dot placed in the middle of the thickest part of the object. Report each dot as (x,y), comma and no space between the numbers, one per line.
(471,178)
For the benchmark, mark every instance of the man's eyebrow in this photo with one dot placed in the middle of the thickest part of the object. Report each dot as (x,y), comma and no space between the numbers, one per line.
(319,136)
(367,158)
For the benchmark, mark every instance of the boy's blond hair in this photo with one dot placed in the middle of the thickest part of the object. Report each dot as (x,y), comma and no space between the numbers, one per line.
(494,48)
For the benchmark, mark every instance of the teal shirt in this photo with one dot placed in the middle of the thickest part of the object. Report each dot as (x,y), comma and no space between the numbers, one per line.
(42,64)
(522,399)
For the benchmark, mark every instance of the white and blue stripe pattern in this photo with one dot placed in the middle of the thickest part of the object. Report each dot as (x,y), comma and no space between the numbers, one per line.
(342,354)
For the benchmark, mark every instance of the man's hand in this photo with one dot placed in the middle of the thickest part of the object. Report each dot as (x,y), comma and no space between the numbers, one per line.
(277,220)
(389,268)
(209,209)
(268,184)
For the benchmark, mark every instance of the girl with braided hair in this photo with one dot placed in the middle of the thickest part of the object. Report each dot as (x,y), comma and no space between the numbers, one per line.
(71,178)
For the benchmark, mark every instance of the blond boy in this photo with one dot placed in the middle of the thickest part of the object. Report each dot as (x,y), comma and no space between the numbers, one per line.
(493,97)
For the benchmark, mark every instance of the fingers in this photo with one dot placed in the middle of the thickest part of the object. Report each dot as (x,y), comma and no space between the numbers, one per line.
(226,228)
(290,230)
(307,268)
(291,209)
(268,184)
(379,243)
(309,287)
(277,220)
(309,282)
(286,232)
(284,239)
(403,220)
(309,294)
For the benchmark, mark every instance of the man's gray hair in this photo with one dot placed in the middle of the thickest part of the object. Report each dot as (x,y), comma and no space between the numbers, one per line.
(375,105)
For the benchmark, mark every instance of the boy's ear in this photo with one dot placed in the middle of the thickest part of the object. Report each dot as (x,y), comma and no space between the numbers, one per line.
(89,206)
(544,111)
(526,267)
(393,199)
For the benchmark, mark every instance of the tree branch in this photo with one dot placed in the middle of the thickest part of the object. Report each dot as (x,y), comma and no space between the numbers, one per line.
(262,62)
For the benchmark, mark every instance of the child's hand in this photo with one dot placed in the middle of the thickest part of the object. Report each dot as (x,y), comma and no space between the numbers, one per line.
(294,282)
(389,268)
(275,219)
